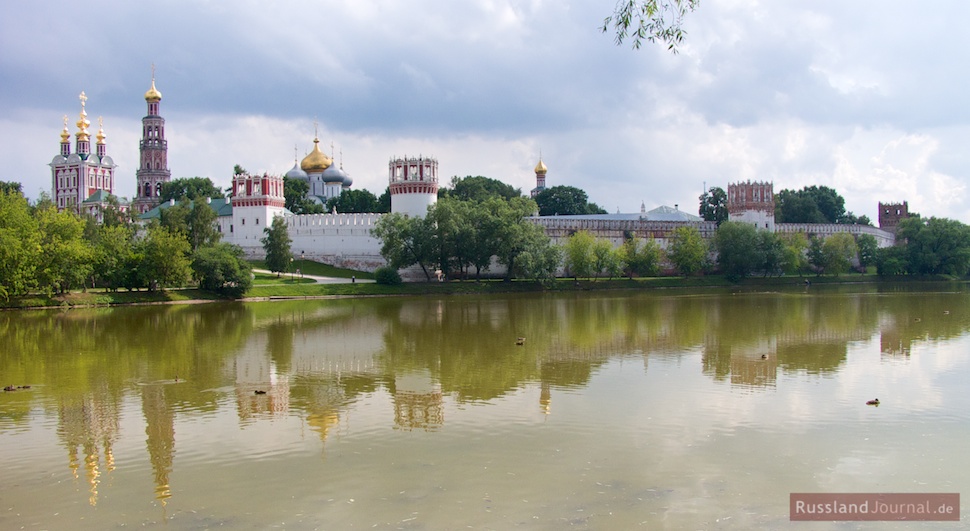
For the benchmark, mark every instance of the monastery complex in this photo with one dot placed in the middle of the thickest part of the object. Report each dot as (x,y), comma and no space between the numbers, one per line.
(83,180)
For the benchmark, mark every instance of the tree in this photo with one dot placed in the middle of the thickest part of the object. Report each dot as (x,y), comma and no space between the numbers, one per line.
(295,195)
(812,204)
(565,201)
(737,245)
(163,258)
(276,243)
(839,250)
(406,241)
(19,245)
(478,188)
(67,259)
(816,255)
(687,250)
(222,268)
(11,188)
(384,201)
(540,261)
(112,214)
(578,251)
(793,253)
(514,233)
(189,188)
(606,259)
(201,222)
(353,202)
(771,252)
(176,218)
(640,257)
(456,235)
(891,261)
(649,20)
(113,253)
(867,250)
(935,246)
(714,205)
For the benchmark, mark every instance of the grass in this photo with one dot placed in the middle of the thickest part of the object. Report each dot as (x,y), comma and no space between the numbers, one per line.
(309,267)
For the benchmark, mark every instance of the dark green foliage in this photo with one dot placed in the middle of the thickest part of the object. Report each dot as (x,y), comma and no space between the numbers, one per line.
(891,261)
(687,251)
(478,188)
(935,246)
(353,202)
(713,205)
(867,250)
(295,196)
(11,188)
(387,276)
(738,253)
(189,188)
(565,201)
(812,204)
(222,268)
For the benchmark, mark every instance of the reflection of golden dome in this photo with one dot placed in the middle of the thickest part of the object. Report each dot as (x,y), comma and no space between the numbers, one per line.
(316,161)
(541,167)
(153,95)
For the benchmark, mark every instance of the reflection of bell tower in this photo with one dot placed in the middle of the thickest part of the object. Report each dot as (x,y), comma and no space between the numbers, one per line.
(160,429)
(417,402)
(545,398)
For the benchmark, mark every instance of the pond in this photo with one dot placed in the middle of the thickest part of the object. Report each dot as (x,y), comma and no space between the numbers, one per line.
(601,410)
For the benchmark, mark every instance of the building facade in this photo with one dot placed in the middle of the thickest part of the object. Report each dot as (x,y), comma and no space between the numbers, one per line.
(82,181)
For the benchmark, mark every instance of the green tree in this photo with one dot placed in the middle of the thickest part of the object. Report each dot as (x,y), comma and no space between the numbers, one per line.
(11,188)
(578,251)
(687,251)
(176,218)
(295,196)
(222,268)
(935,246)
(640,257)
(455,234)
(478,188)
(606,259)
(201,222)
(113,253)
(713,205)
(891,261)
(189,188)
(816,255)
(353,202)
(113,215)
(771,252)
(384,201)
(514,232)
(737,249)
(19,245)
(276,243)
(793,246)
(406,241)
(812,204)
(67,259)
(649,20)
(163,258)
(565,201)
(839,250)
(541,259)
(867,250)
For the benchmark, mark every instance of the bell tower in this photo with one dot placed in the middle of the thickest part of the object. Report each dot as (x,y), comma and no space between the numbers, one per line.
(153,169)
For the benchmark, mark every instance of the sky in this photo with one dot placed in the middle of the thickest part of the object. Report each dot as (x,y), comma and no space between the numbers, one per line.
(866,97)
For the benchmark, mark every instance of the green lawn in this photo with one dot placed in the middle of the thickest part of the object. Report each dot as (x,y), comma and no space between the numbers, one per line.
(309,267)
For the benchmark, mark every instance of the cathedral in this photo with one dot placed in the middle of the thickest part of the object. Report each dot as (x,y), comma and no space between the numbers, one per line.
(82,180)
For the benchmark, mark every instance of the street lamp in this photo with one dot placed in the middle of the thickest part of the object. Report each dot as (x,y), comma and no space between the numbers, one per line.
(302,263)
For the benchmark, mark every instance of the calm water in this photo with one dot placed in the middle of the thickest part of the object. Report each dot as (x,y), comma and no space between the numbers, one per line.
(619,411)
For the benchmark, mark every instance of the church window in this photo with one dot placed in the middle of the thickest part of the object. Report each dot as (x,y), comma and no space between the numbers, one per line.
(257,221)
(243,221)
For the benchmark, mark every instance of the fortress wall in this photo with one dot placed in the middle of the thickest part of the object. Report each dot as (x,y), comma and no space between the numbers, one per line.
(883,238)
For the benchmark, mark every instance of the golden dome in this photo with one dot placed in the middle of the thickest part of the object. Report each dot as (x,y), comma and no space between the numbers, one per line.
(65,134)
(101,135)
(316,161)
(541,167)
(82,121)
(153,95)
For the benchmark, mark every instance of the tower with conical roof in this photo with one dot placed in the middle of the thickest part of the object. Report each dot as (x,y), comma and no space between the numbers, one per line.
(153,169)
(82,180)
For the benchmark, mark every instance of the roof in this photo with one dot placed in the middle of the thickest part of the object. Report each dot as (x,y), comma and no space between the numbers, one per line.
(661,213)
(221,205)
(97,197)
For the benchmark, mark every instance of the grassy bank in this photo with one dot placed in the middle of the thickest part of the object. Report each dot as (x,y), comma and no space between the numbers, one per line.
(269,287)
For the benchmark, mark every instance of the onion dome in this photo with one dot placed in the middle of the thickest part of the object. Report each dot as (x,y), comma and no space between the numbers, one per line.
(65,134)
(348,182)
(82,121)
(296,173)
(153,95)
(101,135)
(541,167)
(333,175)
(316,161)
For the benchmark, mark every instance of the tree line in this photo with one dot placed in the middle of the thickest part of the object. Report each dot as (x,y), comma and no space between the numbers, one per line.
(43,250)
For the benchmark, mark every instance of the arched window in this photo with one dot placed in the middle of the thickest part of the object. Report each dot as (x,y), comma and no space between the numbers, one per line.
(148,189)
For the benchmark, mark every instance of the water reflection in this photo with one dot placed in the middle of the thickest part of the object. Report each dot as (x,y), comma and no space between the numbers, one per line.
(314,361)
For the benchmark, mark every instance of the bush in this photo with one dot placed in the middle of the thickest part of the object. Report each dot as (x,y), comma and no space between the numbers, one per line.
(387,276)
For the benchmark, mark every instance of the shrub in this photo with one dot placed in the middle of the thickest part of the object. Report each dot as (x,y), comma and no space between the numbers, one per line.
(387,276)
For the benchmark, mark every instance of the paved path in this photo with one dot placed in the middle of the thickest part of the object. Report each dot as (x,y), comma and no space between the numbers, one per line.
(318,279)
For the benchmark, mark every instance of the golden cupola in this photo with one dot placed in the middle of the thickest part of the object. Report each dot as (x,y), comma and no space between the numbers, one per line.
(82,121)
(65,134)
(101,135)
(541,167)
(153,95)
(317,160)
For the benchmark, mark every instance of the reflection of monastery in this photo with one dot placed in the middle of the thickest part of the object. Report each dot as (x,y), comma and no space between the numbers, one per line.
(83,180)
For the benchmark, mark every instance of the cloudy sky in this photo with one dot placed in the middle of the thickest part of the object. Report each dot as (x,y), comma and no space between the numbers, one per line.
(867,97)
